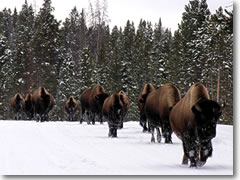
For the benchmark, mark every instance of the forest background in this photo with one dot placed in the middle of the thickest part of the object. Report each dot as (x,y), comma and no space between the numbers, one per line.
(69,56)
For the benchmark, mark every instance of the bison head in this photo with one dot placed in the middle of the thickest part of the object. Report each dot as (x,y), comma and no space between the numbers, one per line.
(19,101)
(100,98)
(45,98)
(207,113)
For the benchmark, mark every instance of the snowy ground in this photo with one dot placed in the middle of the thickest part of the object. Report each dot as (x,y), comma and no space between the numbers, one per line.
(70,148)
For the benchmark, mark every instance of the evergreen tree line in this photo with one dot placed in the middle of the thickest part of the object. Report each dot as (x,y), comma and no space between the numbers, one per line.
(67,57)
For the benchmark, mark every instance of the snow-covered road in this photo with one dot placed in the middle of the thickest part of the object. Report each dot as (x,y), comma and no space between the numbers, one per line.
(70,148)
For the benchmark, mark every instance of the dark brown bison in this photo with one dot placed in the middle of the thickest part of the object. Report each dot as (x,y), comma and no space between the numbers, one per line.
(148,88)
(92,100)
(17,106)
(28,106)
(126,105)
(157,108)
(43,102)
(193,119)
(71,106)
(96,100)
(112,112)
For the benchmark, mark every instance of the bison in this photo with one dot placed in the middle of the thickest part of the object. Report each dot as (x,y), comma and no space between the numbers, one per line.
(126,105)
(96,100)
(92,100)
(71,106)
(112,112)
(28,106)
(157,108)
(17,106)
(43,102)
(148,88)
(193,119)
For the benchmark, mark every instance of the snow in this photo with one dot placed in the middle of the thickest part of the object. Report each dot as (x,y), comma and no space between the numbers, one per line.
(70,148)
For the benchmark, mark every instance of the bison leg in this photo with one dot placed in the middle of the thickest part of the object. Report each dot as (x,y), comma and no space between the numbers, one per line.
(101,118)
(88,117)
(152,131)
(190,150)
(159,137)
(82,114)
(185,159)
(185,156)
(143,122)
(167,131)
(110,132)
(93,118)
(205,152)
(114,132)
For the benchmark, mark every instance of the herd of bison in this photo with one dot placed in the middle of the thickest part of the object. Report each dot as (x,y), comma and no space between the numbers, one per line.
(192,118)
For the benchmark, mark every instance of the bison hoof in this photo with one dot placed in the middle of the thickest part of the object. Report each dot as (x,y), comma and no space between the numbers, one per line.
(153,140)
(168,141)
(201,163)
(185,162)
(193,165)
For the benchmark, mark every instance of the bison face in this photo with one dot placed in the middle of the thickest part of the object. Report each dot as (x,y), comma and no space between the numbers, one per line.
(45,99)
(207,113)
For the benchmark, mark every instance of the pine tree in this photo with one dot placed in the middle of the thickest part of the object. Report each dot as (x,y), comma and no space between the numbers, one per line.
(194,16)
(115,44)
(46,48)
(23,55)
(129,69)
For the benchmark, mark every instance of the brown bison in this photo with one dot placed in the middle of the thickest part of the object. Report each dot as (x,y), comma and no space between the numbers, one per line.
(193,119)
(28,106)
(92,100)
(71,106)
(43,102)
(157,108)
(112,112)
(17,106)
(126,105)
(148,88)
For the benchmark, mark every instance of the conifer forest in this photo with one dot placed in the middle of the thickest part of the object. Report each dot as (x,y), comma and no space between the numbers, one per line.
(68,56)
